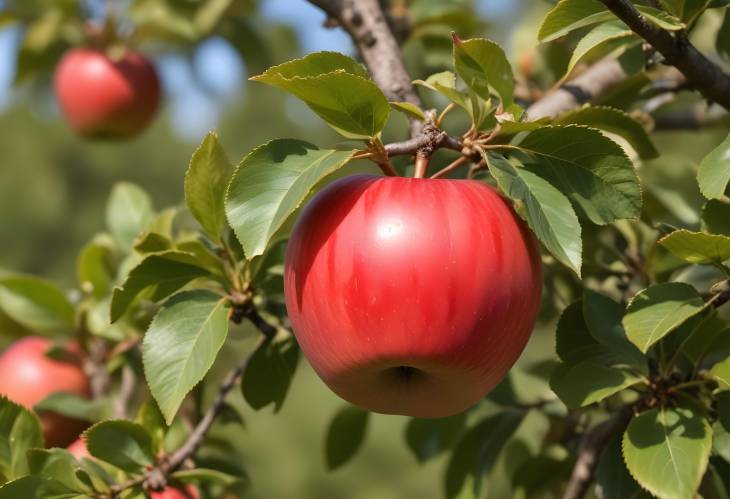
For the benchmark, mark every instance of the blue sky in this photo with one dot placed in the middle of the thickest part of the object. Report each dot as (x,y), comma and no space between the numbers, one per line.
(217,66)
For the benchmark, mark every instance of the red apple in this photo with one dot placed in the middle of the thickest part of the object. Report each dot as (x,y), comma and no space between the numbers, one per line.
(411,296)
(189,492)
(78,449)
(28,376)
(105,97)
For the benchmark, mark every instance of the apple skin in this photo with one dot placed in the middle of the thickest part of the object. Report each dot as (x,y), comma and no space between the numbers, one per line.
(189,492)
(28,376)
(411,296)
(102,97)
(78,449)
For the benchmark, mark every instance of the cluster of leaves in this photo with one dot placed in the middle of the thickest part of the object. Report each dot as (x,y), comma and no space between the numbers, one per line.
(145,257)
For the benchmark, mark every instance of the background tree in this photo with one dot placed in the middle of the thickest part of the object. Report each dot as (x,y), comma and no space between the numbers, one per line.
(622,391)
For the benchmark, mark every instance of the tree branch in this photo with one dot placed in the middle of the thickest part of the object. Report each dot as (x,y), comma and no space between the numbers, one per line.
(365,22)
(593,82)
(590,450)
(692,118)
(701,73)
(434,140)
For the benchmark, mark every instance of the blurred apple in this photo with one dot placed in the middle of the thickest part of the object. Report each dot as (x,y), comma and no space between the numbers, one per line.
(28,375)
(189,492)
(78,449)
(105,97)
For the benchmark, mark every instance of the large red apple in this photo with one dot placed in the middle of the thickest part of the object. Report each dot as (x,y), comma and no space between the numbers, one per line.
(28,376)
(105,97)
(411,296)
(189,492)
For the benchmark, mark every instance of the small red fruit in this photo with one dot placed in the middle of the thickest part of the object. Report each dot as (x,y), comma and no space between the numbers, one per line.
(104,97)
(28,376)
(189,492)
(78,449)
(411,296)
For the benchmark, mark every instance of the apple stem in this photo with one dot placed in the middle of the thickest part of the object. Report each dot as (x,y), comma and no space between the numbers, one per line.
(421,166)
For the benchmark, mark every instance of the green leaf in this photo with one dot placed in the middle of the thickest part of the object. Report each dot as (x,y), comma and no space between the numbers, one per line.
(658,310)
(345,435)
(315,64)
(515,127)
(409,109)
(271,183)
(209,476)
(548,213)
(128,213)
(94,267)
(715,217)
(152,420)
(26,488)
(613,121)
(720,372)
(667,450)
(35,303)
(269,373)
(74,406)
(205,185)
(158,234)
(588,382)
(167,271)
(338,93)
(123,444)
(704,337)
(569,15)
(181,345)
(603,319)
(445,84)
(612,478)
(686,10)
(477,451)
(714,171)
(58,469)
(589,168)
(602,40)
(697,247)
(482,64)
(573,341)
(19,431)
(426,438)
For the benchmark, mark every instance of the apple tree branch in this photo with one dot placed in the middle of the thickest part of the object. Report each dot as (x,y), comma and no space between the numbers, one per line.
(704,75)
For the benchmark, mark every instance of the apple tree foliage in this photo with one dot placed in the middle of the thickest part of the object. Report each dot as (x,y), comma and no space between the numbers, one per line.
(639,382)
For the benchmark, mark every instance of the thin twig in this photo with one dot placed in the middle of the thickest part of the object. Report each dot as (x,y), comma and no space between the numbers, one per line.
(593,82)
(126,392)
(704,75)
(461,160)
(590,450)
(411,146)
